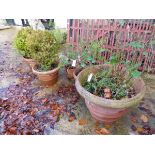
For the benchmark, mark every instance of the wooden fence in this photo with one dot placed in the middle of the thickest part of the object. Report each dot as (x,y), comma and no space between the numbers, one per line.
(117,35)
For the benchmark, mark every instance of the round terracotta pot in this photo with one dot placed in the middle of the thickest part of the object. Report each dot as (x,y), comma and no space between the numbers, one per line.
(47,78)
(107,110)
(70,72)
(31,62)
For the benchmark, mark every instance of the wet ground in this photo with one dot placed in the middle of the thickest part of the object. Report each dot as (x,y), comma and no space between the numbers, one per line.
(26,107)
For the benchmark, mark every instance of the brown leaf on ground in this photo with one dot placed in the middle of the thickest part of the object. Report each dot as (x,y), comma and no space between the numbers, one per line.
(144,118)
(133,119)
(102,131)
(139,129)
(107,126)
(82,122)
(13,130)
(54,106)
(72,117)
(45,100)
(33,112)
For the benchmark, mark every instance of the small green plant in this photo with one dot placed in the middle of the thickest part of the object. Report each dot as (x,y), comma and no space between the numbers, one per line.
(72,55)
(91,52)
(20,42)
(136,44)
(66,60)
(45,49)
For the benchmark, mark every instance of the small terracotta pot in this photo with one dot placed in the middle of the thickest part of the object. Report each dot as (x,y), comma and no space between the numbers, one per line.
(107,110)
(47,78)
(70,72)
(31,62)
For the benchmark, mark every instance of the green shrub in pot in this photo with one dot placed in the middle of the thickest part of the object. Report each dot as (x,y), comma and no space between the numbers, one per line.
(45,49)
(117,78)
(69,61)
(20,42)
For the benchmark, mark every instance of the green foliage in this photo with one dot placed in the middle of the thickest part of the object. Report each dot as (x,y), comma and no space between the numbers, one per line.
(63,61)
(91,52)
(118,77)
(121,22)
(51,25)
(145,53)
(136,44)
(66,59)
(60,36)
(136,74)
(103,80)
(20,42)
(72,55)
(152,42)
(45,49)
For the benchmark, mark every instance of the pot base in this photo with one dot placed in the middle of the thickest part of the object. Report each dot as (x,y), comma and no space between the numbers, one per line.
(104,114)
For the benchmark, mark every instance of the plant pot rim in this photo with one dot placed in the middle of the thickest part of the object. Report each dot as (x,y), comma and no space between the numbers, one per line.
(76,70)
(71,68)
(123,103)
(45,72)
(28,58)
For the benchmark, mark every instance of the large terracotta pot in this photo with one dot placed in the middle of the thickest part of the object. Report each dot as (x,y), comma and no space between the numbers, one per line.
(107,110)
(31,62)
(47,77)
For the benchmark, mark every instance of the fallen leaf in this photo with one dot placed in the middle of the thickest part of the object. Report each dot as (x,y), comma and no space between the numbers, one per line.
(54,106)
(144,118)
(82,122)
(107,126)
(72,117)
(139,129)
(32,112)
(13,130)
(45,100)
(134,119)
(102,131)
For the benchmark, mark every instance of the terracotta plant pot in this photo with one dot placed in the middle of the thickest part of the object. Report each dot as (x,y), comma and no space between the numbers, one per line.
(70,72)
(31,62)
(107,110)
(76,72)
(47,78)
